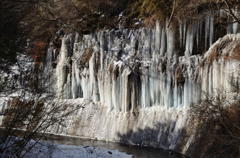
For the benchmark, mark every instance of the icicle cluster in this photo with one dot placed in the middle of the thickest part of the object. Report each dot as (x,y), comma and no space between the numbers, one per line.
(141,81)
(129,69)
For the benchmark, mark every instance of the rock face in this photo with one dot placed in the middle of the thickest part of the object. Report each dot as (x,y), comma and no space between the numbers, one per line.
(142,82)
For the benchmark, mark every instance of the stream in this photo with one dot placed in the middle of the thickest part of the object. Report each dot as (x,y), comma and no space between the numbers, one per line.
(136,151)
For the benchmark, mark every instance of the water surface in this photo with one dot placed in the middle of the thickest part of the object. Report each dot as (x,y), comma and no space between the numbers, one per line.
(137,152)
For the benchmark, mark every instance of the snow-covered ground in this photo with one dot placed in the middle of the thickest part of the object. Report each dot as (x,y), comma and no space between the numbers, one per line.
(46,150)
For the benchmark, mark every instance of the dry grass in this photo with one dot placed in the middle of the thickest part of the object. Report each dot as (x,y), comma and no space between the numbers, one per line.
(151,10)
(218,129)
(179,75)
(213,56)
(19,112)
(216,52)
(236,53)
(86,56)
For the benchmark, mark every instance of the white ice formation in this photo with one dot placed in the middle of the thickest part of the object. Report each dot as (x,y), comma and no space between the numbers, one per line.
(141,82)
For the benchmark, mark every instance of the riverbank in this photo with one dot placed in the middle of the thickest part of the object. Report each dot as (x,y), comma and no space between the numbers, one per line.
(44,150)
(50,142)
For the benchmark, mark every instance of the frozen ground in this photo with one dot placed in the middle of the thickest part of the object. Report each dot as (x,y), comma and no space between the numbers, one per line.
(46,150)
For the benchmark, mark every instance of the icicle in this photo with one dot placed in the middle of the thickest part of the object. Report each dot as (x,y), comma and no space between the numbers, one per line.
(158,38)
(235,27)
(170,42)
(62,68)
(207,23)
(125,71)
(189,41)
(211,34)
(163,42)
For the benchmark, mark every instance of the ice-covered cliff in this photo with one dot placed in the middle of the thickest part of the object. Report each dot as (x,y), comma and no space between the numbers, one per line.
(129,69)
(142,82)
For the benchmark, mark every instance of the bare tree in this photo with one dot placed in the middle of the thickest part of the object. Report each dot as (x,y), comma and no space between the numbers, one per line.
(230,7)
(218,125)
(26,119)
(27,114)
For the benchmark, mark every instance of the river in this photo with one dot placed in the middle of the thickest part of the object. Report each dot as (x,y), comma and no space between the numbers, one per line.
(136,151)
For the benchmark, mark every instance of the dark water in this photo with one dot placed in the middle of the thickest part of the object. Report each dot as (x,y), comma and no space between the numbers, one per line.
(137,152)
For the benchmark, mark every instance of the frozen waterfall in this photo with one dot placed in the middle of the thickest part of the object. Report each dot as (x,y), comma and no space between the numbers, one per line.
(128,69)
(144,80)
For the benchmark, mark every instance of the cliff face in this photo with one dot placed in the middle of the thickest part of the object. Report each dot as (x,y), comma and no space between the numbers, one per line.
(141,83)
(129,69)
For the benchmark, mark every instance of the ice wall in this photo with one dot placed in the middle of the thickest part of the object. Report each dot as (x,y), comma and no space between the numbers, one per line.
(219,72)
(141,82)
(127,69)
